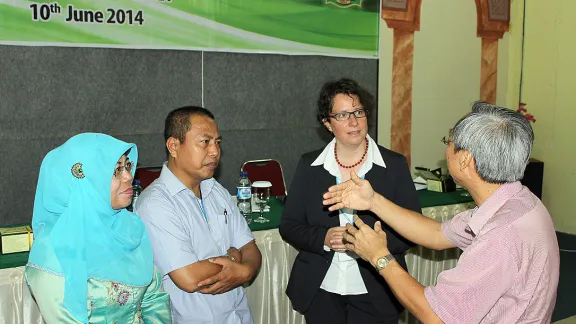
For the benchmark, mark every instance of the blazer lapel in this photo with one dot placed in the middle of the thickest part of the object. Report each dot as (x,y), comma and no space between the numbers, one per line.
(379,179)
(320,181)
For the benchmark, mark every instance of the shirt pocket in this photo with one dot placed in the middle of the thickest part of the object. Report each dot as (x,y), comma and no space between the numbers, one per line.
(221,232)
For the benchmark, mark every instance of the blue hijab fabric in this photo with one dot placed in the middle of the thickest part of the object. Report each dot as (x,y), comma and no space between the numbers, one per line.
(77,233)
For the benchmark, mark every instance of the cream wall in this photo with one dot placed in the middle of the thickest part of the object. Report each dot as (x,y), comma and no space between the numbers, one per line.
(446,77)
(549,89)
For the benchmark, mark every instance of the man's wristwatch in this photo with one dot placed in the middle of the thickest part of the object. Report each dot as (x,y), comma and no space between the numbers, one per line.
(383,262)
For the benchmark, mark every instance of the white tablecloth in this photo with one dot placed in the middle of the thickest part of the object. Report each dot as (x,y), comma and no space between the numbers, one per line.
(16,304)
(266,295)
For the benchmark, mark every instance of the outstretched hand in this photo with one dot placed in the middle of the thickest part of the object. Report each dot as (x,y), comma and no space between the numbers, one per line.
(355,193)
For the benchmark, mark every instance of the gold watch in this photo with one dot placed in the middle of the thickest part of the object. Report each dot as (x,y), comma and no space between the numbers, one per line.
(383,262)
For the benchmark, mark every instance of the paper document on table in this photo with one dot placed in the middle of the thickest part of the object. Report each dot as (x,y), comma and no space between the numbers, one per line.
(420,183)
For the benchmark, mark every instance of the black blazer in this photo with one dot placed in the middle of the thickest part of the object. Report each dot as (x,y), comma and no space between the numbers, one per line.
(305,222)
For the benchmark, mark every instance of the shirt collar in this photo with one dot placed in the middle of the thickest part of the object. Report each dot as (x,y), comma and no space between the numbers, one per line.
(483,213)
(175,186)
(327,159)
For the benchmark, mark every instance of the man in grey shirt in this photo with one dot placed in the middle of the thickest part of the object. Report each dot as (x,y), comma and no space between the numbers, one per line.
(202,244)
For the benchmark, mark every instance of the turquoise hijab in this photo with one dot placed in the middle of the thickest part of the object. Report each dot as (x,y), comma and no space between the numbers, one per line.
(77,233)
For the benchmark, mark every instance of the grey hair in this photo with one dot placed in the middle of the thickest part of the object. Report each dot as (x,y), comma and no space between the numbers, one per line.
(499,139)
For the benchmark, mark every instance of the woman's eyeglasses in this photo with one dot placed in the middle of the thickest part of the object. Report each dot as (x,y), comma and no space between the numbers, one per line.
(345,115)
(126,167)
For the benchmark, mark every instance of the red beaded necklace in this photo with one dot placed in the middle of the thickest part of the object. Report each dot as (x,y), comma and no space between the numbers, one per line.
(353,165)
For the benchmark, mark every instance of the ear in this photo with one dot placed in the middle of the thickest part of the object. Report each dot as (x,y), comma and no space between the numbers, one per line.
(173,144)
(465,160)
(327,125)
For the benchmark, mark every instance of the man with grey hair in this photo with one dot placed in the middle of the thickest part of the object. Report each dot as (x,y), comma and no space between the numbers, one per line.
(509,270)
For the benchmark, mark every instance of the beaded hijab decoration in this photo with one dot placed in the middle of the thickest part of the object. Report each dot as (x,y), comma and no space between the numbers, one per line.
(77,171)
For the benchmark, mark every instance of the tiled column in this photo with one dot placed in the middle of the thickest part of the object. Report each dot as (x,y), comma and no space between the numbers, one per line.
(493,22)
(404,17)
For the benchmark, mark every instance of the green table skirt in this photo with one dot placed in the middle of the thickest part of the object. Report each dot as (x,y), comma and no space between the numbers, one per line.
(432,198)
(13,260)
(274,215)
(426,198)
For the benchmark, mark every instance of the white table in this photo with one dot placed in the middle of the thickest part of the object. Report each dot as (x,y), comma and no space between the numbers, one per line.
(16,304)
(266,295)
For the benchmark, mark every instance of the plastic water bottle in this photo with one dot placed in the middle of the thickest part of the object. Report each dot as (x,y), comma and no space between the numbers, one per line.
(136,191)
(244,194)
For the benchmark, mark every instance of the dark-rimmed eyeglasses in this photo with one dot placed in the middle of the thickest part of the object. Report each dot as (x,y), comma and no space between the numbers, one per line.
(345,115)
(448,139)
(120,169)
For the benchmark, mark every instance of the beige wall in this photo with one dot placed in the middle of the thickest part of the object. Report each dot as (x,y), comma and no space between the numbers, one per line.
(446,75)
(549,89)
(447,80)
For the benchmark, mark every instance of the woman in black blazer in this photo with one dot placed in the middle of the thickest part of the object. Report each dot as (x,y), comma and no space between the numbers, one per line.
(327,283)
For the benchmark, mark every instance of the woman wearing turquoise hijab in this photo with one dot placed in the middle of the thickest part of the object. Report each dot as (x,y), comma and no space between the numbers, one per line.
(91,261)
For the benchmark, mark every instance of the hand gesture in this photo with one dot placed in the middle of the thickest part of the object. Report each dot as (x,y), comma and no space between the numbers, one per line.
(333,239)
(370,244)
(355,193)
(232,275)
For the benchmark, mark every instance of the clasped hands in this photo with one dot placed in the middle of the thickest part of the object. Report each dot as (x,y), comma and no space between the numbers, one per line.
(233,274)
(368,243)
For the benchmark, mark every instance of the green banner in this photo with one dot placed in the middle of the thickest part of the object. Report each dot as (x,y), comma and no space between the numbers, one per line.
(347,28)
